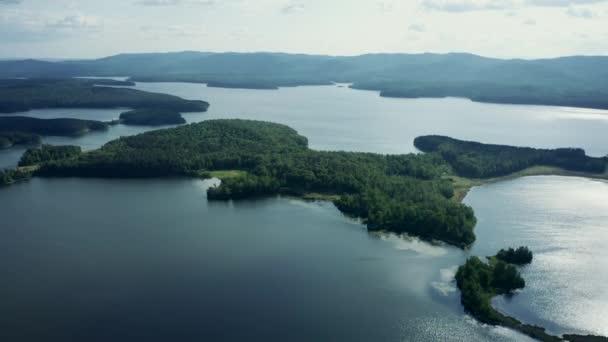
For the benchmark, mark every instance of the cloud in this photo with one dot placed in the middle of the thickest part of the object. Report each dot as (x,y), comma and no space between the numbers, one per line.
(175,2)
(487,5)
(417,28)
(76,23)
(579,12)
(293,7)
(10,2)
(161,31)
(562,3)
(530,22)
(468,5)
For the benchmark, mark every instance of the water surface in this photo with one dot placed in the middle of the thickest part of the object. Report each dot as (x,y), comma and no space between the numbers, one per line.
(124,260)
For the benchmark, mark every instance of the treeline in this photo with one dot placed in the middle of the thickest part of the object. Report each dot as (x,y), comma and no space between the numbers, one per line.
(151,117)
(477,160)
(48,153)
(21,95)
(8,139)
(403,193)
(58,127)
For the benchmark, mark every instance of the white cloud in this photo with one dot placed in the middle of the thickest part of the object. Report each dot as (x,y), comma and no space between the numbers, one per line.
(530,22)
(175,2)
(580,12)
(293,7)
(468,5)
(161,31)
(76,22)
(417,28)
(485,5)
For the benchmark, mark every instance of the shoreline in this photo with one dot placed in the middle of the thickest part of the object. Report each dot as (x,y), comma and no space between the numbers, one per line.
(463,185)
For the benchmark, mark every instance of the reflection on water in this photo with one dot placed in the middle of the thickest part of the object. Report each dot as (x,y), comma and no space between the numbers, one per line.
(564,221)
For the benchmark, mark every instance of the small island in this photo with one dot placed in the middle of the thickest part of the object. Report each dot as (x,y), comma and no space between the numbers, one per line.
(151,117)
(479,281)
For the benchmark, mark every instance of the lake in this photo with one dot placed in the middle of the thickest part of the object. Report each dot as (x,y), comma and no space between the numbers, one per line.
(101,260)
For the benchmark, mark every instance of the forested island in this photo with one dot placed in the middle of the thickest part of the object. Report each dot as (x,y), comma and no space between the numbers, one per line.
(577,81)
(479,281)
(151,117)
(17,95)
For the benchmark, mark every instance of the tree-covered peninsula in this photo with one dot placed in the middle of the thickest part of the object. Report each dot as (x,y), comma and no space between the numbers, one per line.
(151,117)
(410,193)
(403,193)
(477,160)
(17,95)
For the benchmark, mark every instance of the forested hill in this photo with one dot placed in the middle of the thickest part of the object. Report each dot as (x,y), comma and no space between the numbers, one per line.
(580,81)
(18,95)
(403,193)
(477,160)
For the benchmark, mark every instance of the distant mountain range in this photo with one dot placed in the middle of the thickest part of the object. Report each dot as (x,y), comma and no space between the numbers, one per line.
(579,81)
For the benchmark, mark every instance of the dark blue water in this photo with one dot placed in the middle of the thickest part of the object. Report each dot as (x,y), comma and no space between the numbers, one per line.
(112,260)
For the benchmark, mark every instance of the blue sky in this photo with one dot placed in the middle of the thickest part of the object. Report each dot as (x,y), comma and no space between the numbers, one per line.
(498,28)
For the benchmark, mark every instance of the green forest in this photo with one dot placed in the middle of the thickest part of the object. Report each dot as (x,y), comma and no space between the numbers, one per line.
(17,95)
(46,153)
(477,160)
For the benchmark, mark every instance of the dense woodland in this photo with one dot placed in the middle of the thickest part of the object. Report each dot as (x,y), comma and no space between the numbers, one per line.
(479,281)
(519,256)
(477,160)
(46,153)
(8,139)
(18,95)
(400,193)
(57,127)
(579,81)
(151,117)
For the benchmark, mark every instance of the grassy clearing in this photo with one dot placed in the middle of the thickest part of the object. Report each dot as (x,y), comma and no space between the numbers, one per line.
(226,174)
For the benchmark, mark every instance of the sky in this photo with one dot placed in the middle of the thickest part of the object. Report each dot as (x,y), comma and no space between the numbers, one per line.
(493,28)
